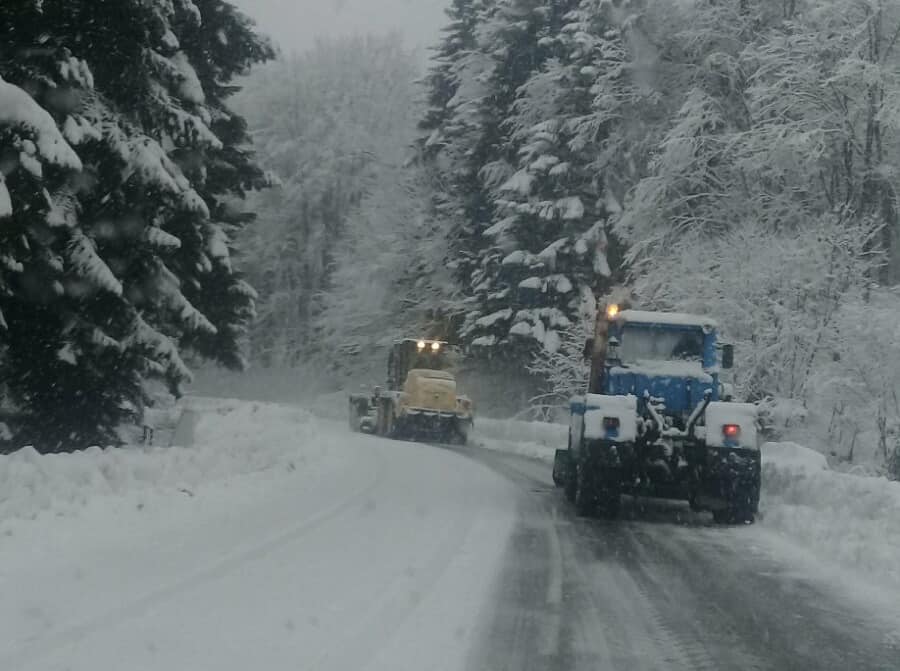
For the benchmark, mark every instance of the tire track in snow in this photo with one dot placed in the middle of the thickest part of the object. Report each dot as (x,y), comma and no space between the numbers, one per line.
(699,650)
(397,601)
(663,589)
(370,635)
(56,639)
(763,615)
(554,599)
(602,619)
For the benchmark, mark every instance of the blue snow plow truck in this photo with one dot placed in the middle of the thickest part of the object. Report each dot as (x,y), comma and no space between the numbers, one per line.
(656,420)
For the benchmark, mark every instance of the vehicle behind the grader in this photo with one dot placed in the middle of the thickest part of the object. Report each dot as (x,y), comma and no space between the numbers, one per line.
(656,420)
(420,401)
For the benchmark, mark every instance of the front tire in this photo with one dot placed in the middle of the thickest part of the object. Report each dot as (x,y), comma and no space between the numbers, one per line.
(354,418)
(734,515)
(570,486)
(609,497)
(742,501)
(460,433)
(561,467)
(585,493)
(391,428)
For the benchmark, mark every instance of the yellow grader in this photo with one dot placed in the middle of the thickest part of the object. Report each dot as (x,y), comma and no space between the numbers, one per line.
(420,401)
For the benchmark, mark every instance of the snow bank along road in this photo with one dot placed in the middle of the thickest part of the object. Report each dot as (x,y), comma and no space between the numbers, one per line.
(274,543)
(282,542)
(664,589)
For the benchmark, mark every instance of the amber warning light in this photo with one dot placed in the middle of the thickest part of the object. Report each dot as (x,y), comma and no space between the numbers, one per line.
(612,310)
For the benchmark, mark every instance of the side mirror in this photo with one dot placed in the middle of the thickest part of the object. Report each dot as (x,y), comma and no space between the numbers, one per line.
(588,348)
(727,357)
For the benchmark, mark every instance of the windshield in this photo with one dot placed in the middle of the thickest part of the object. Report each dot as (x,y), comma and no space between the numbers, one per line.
(306,311)
(642,344)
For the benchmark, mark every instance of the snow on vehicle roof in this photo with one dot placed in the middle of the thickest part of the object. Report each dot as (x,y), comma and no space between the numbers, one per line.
(667,318)
(675,369)
(427,372)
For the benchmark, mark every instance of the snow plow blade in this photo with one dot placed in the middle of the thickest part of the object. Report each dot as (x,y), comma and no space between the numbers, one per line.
(429,426)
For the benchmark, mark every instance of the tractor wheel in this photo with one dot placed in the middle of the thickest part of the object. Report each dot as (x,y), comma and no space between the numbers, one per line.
(354,418)
(734,515)
(609,500)
(559,469)
(742,498)
(693,505)
(570,487)
(585,491)
(460,432)
(391,425)
(726,516)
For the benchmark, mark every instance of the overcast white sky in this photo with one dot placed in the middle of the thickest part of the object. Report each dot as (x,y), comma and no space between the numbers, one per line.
(295,24)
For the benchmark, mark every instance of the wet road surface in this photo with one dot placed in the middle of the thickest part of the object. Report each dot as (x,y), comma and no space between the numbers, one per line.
(660,589)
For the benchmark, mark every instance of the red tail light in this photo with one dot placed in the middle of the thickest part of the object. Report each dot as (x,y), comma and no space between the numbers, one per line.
(610,423)
(731,431)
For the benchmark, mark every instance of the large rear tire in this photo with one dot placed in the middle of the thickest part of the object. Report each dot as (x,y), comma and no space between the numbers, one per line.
(742,497)
(393,428)
(597,490)
(585,492)
(734,514)
(561,467)
(570,488)
(609,496)
(460,432)
(354,418)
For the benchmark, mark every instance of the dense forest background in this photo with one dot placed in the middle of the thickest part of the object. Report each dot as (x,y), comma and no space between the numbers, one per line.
(121,172)
(737,159)
(164,204)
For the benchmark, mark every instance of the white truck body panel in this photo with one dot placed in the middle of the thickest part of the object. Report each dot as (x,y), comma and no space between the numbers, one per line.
(718,414)
(623,408)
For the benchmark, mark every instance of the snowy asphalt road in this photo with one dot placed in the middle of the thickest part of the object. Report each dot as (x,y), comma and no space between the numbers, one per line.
(368,554)
(660,589)
(378,558)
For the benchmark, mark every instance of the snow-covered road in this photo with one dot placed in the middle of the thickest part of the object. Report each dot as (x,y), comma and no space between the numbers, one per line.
(663,589)
(282,542)
(376,557)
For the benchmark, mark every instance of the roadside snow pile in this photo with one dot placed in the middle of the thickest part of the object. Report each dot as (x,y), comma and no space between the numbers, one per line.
(231,439)
(788,460)
(540,433)
(333,406)
(537,440)
(20,111)
(842,518)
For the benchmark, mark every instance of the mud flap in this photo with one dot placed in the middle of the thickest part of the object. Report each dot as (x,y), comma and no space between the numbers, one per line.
(732,491)
(602,461)
(358,412)
(353,418)
(461,430)
(562,467)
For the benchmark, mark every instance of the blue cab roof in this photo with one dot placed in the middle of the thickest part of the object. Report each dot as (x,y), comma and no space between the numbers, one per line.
(663,319)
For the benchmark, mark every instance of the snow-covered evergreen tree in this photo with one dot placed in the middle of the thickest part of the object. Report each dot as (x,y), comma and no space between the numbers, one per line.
(442,81)
(466,146)
(767,202)
(121,152)
(457,135)
(388,281)
(550,245)
(332,124)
